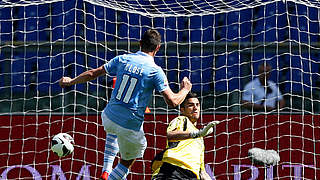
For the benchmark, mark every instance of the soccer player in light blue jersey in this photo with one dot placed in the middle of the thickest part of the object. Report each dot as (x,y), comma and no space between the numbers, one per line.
(137,77)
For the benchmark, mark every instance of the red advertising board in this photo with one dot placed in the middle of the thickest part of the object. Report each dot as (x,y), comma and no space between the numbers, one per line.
(25,146)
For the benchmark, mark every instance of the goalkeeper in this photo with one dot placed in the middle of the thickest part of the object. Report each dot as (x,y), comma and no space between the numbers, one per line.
(184,156)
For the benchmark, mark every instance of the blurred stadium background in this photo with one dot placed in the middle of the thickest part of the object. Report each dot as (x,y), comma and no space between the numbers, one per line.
(219,50)
(218,44)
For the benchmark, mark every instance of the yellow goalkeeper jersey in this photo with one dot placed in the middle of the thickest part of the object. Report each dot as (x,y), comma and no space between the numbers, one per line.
(188,153)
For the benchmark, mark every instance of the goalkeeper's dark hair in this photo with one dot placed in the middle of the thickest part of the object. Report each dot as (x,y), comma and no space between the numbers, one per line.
(150,40)
(189,95)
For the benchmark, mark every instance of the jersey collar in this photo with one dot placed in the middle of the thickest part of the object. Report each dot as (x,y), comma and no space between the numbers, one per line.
(145,54)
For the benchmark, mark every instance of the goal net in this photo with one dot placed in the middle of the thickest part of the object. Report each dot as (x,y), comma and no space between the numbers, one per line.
(218,44)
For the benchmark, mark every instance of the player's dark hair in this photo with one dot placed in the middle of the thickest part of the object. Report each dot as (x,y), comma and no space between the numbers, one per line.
(150,40)
(189,95)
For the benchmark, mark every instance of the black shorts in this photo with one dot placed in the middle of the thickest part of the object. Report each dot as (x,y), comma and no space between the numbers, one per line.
(171,172)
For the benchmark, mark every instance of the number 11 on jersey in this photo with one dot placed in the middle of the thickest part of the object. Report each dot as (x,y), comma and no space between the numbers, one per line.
(123,84)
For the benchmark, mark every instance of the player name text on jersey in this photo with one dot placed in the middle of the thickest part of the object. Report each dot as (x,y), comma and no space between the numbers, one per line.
(133,69)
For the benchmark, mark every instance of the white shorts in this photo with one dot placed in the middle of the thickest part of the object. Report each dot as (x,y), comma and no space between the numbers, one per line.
(132,144)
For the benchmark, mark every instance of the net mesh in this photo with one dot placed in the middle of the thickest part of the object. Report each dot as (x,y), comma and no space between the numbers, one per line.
(217,44)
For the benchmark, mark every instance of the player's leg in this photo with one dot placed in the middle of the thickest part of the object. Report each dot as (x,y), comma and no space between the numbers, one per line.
(111,146)
(132,145)
(110,152)
(121,170)
(171,172)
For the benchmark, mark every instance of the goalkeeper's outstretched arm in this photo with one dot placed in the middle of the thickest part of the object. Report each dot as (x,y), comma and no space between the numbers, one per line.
(181,135)
(178,135)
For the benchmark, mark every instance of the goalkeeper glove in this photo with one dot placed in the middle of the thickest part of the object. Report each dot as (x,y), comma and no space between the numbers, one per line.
(205,131)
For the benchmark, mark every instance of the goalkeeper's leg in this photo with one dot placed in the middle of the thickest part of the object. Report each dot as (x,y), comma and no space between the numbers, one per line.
(110,152)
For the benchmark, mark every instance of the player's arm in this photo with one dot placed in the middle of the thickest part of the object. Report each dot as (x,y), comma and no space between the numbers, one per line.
(175,99)
(177,134)
(176,129)
(83,77)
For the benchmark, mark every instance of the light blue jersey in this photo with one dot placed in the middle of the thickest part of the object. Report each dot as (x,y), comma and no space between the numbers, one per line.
(137,77)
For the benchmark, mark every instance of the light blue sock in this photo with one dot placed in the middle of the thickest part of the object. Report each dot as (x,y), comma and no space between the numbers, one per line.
(119,172)
(110,151)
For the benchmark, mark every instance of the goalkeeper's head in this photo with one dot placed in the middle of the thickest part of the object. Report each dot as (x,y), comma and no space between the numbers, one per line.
(191,107)
(150,41)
